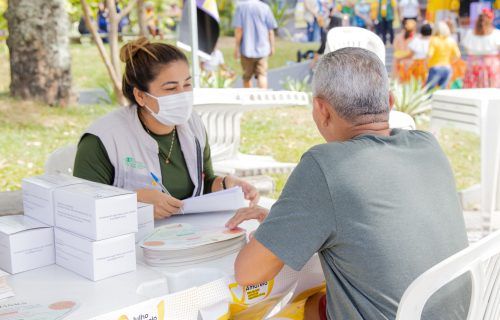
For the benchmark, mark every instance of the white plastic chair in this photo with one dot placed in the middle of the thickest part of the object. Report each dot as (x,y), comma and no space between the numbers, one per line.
(342,37)
(61,161)
(221,111)
(401,120)
(482,260)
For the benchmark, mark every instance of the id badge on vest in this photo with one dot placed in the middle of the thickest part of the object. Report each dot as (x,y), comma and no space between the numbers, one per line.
(137,175)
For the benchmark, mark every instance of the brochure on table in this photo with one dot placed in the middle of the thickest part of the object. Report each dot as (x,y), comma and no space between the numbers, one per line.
(25,244)
(225,200)
(28,310)
(179,236)
(182,244)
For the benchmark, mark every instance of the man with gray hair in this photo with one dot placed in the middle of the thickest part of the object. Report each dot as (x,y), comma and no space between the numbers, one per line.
(379,206)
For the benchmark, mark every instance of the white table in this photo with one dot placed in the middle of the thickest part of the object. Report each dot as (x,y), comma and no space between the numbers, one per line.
(478,111)
(184,291)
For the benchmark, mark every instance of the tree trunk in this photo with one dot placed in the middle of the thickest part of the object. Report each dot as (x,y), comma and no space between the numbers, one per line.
(40,61)
(113,37)
(111,60)
(141,18)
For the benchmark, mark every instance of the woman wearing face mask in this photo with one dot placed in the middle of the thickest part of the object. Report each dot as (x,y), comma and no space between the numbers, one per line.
(157,133)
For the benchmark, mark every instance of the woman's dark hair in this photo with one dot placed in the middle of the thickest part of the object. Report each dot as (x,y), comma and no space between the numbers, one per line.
(426,30)
(143,61)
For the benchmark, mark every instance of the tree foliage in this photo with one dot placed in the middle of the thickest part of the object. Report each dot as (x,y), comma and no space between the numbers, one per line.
(75,8)
(3,8)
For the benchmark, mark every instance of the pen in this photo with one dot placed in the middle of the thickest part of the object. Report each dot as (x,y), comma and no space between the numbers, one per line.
(155,178)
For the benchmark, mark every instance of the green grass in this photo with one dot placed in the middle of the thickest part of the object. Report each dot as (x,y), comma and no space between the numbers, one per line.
(285,51)
(29,131)
(88,70)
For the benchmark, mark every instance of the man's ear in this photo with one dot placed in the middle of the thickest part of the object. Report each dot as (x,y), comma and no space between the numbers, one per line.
(324,109)
(139,96)
(392,99)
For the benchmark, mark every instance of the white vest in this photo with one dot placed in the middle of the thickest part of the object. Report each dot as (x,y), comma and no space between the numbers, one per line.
(134,153)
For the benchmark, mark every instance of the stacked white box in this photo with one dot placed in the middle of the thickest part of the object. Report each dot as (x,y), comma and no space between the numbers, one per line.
(95,211)
(145,220)
(95,260)
(25,244)
(95,229)
(38,195)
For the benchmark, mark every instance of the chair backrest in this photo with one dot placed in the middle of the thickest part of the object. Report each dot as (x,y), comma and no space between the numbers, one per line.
(342,37)
(401,120)
(482,260)
(61,160)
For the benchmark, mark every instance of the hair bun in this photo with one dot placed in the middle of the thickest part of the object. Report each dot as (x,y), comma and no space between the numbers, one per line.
(130,49)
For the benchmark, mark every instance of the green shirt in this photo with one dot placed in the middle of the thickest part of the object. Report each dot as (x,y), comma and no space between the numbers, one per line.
(92,163)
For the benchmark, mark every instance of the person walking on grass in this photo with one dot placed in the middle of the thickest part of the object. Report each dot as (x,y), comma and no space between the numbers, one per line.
(443,50)
(254,25)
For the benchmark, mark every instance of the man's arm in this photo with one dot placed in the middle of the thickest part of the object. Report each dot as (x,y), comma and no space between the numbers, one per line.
(238,35)
(271,42)
(299,225)
(256,264)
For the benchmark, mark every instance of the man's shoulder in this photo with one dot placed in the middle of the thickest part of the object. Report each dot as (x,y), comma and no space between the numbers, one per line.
(345,148)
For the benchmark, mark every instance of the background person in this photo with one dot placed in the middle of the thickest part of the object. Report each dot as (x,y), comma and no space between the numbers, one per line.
(442,51)
(419,48)
(482,45)
(254,25)
(385,19)
(151,21)
(409,10)
(336,20)
(362,11)
(312,15)
(102,20)
(348,200)
(402,53)
(158,132)
(215,62)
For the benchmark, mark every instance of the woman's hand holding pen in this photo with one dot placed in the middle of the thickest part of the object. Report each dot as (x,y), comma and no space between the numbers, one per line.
(165,205)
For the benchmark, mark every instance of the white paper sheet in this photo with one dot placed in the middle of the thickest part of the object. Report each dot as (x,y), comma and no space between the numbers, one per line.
(225,200)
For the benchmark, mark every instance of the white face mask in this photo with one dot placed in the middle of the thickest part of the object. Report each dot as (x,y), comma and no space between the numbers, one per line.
(173,109)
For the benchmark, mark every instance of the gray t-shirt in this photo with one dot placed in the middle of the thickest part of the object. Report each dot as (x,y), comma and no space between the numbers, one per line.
(379,211)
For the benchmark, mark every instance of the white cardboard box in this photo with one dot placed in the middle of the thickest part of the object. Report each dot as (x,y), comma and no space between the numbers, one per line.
(96,211)
(25,244)
(145,220)
(95,260)
(37,195)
